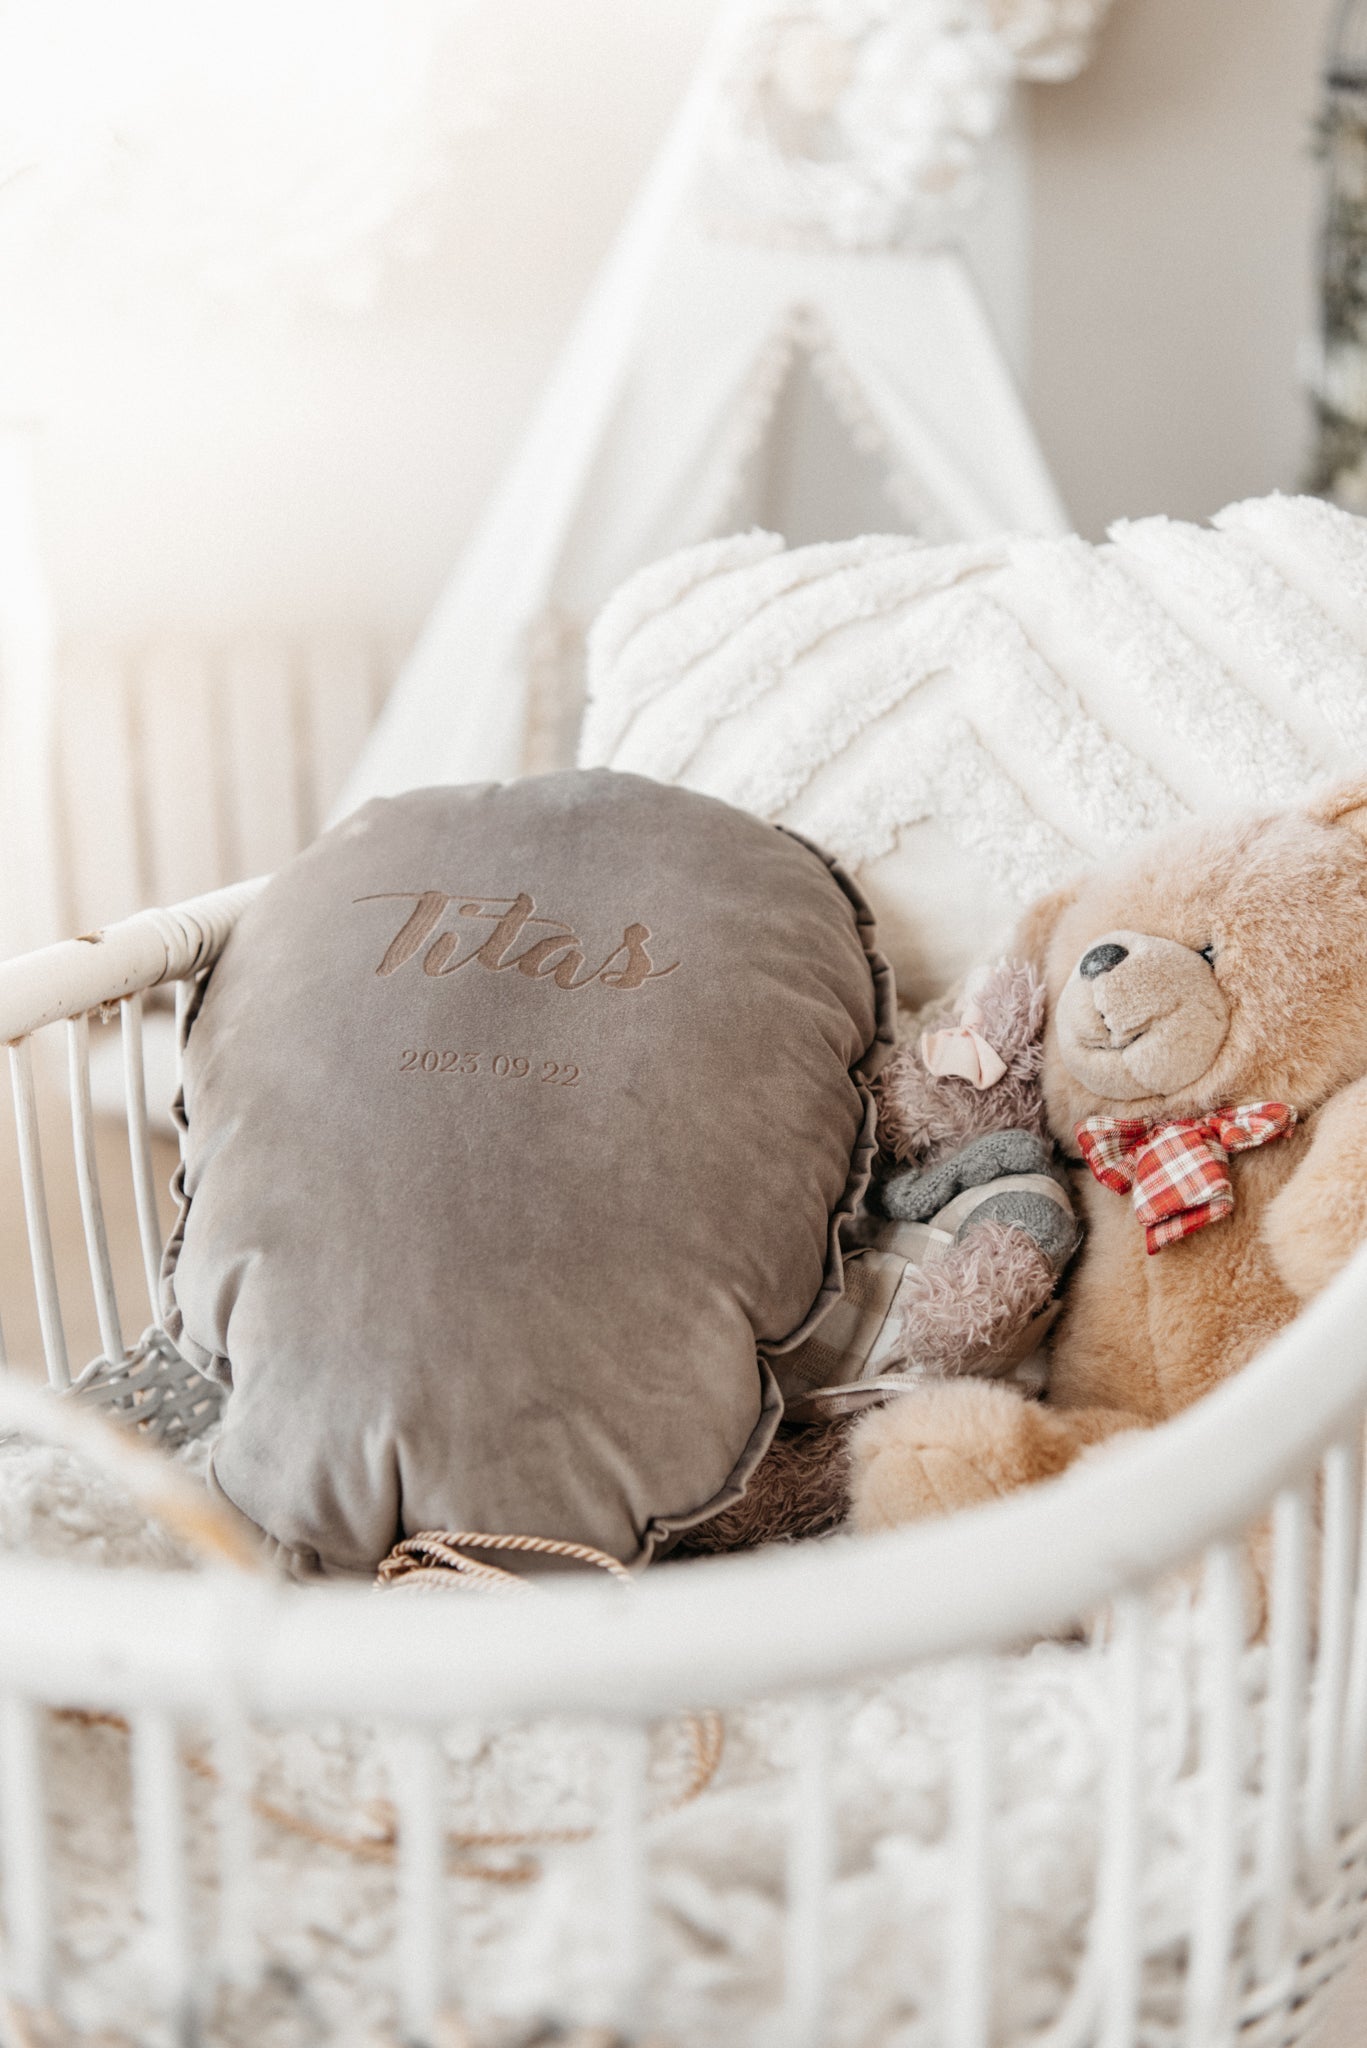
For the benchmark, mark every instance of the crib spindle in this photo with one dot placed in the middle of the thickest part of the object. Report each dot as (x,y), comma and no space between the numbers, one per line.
(140,1148)
(421,1881)
(338,711)
(1102,2007)
(104,833)
(1287,1650)
(88,1182)
(1123,1822)
(184,991)
(808,1878)
(968,1968)
(1353,1766)
(36,1215)
(1342,1492)
(238,1950)
(1214,1900)
(626,1890)
(178,745)
(23,1852)
(261,776)
(163,1876)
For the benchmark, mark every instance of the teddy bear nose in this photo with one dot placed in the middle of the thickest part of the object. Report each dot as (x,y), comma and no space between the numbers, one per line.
(1101,960)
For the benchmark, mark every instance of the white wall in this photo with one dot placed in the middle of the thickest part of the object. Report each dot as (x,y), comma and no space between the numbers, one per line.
(1176,209)
(210,468)
(207,464)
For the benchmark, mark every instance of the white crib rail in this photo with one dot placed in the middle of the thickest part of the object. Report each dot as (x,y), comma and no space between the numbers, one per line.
(212,1659)
(68,982)
(140,1147)
(79,975)
(730,1630)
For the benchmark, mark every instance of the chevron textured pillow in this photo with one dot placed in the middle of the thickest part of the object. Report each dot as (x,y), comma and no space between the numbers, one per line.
(963,726)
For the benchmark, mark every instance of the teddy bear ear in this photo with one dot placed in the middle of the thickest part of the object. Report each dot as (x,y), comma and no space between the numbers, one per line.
(1345,805)
(1031,938)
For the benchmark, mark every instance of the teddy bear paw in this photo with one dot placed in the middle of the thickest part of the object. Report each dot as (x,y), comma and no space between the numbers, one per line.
(933,1451)
(1312,1228)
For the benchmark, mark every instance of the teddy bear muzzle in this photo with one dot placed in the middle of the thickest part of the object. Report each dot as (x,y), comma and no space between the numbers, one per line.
(1140,1016)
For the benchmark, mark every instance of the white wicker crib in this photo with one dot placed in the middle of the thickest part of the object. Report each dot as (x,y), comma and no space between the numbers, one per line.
(1221,1910)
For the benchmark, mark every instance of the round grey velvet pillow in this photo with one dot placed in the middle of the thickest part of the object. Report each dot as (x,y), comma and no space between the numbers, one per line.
(516,1116)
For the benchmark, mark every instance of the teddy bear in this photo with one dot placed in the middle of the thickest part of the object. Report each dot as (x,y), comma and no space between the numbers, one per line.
(1205,1072)
(969,1214)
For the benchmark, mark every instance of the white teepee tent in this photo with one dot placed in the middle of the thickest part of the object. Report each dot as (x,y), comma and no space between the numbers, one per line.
(805,364)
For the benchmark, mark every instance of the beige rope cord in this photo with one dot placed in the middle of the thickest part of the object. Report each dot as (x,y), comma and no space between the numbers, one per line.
(435,1557)
(706,1732)
(33,2027)
(431,1558)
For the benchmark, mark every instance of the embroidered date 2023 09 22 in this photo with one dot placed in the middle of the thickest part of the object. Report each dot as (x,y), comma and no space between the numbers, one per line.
(498,1066)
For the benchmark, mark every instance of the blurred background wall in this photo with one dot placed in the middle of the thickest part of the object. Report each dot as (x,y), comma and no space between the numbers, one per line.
(215,468)
(246,503)
(1176,205)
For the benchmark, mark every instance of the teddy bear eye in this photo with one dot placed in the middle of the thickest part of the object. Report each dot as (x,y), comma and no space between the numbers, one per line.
(1208,953)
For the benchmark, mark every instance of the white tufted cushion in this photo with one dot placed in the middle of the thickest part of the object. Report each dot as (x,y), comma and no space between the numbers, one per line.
(966,725)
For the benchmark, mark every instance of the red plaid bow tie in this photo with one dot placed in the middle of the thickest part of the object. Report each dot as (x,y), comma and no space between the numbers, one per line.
(1178,1170)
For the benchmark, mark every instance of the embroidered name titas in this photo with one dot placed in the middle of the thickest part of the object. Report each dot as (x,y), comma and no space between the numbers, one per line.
(555,954)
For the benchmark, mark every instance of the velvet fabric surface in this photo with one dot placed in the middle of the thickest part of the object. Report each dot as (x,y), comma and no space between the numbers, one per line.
(516,1117)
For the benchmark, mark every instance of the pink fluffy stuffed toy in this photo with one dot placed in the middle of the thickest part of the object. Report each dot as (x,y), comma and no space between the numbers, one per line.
(969,1175)
(961,1108)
